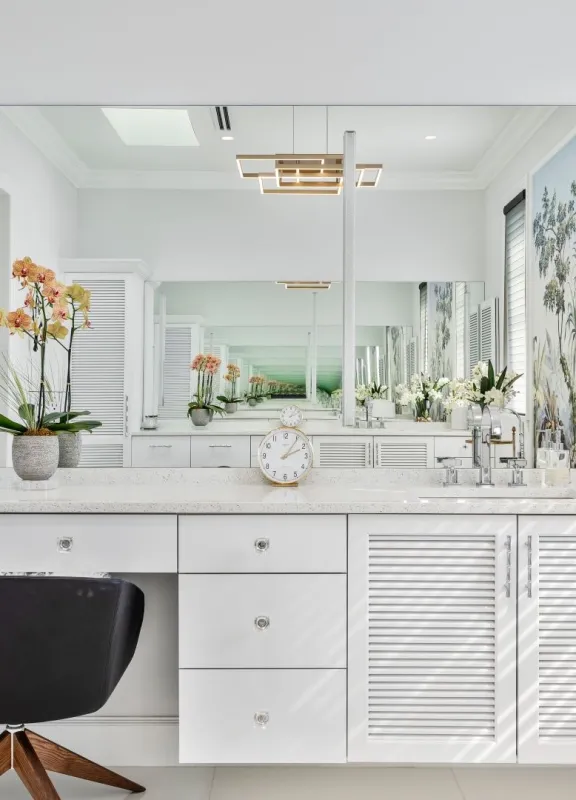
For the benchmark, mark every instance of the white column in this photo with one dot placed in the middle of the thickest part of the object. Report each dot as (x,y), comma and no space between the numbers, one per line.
(161,347)
(150,361)
(349,288)
(314,352)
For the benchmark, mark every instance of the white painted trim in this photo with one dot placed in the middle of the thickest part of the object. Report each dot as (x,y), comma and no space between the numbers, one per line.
(104,265)
(118,741)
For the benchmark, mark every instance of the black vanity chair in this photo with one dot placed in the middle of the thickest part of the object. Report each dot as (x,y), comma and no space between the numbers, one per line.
(65,644)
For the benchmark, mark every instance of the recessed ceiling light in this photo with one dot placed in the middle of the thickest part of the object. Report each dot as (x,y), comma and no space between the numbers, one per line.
(152,127)
(227,138)
(429,137)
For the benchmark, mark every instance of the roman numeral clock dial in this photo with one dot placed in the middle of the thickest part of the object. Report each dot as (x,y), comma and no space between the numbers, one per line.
(285,454)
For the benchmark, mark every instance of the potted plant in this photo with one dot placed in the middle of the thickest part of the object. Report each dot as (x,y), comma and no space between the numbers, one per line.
(230,399)
(35,446)
(457,402)
(491,388)
(255,396)
(201,409)
(420,394)
(45,309)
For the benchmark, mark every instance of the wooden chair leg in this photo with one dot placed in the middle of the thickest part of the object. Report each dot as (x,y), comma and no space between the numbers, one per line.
(5,752)
(56,758)
(30,770)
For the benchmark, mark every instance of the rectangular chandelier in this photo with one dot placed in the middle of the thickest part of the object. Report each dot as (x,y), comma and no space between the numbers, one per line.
(305,174)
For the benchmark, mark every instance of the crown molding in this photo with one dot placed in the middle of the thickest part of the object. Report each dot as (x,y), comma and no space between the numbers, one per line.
(112,265)
(511,140)
(34,125)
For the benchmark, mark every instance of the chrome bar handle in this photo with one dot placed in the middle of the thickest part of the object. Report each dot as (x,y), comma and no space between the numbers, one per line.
(508,565)
(160,445)
(219,445)
(529,584)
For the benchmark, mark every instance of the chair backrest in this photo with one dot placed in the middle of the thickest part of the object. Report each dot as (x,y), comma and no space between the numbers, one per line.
(66,642)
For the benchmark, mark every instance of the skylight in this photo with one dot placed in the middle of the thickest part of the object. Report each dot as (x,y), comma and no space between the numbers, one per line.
(152,127)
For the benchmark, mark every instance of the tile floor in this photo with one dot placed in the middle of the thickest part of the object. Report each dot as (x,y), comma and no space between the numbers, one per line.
(317,783)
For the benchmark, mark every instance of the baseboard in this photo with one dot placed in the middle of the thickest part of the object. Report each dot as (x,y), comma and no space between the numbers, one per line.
(118,741)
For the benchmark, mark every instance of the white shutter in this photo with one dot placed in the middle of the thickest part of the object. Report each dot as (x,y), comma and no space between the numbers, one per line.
(473,338)
(432,632)
(98,371)
(515,300)
(423,329)
(460,324)
(489,331)
(547,640)
(176,389)
(341,452)
(411,359)
(404,452)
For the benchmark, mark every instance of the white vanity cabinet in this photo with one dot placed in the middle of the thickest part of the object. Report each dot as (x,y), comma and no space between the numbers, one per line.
(404,452)
(432,631)
(219,451)
(343,452)
(262,631)
(161,451)
(547,640)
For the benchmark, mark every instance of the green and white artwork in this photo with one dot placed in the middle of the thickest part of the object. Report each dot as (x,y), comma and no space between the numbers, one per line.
(552,286)
(440,334)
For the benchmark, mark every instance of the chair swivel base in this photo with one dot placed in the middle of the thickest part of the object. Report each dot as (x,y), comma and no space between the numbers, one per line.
(32,756)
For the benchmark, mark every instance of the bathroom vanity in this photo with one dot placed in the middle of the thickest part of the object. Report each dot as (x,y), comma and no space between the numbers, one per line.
(388,620)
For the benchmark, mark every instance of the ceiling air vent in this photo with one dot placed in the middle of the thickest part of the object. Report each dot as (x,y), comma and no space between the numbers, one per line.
(222,119)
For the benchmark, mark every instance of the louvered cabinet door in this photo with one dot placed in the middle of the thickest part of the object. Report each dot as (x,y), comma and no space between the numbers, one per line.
(547,640)
(343,452)
(432,638)
(176,388)
(395,452)
(99,366)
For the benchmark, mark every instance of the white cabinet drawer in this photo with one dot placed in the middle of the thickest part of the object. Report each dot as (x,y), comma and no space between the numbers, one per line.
(290,621)
(262,716)
(88,543)
(219,451)
(404,452)
(343,452)
(452,447)
(161,451)
(263,543)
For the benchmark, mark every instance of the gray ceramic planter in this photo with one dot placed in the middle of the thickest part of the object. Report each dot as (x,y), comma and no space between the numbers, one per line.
(70,446)
(252,401)
(35,458)
(200,417)
(230,408)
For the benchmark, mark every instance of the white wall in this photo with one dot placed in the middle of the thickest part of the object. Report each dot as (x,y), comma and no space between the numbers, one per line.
(506,186)
(243,235)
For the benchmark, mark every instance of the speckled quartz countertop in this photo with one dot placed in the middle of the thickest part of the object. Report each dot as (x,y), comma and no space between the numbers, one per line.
(136,491)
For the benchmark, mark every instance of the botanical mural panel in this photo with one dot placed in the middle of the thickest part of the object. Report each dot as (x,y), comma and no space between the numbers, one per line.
(441,338)
(552,285)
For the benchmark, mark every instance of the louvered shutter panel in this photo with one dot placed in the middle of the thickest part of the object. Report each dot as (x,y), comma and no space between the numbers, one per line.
(423,329)
(489,331)
(411,358)
(404,452)
(515,300)
(431,639)
(98,372)
(176,388)
(341,452)
(547,641)
(473,338)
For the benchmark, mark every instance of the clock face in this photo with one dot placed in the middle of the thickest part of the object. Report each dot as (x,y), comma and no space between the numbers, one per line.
(285,456)
(291,416)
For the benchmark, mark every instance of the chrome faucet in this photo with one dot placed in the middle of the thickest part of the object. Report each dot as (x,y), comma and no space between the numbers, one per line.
(517,463)
(486,426)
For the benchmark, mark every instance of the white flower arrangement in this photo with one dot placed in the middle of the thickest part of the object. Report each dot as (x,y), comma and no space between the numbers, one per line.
(458,395)
(421,393)
(492,388)
(373,390)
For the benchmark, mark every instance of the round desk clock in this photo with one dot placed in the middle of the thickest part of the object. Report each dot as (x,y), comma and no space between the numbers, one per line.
(285,454)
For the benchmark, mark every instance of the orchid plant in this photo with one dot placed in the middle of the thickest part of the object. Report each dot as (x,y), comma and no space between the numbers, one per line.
(206,366)
(492,388)
(420,394)
(256,392)
(231,377)
(51,311)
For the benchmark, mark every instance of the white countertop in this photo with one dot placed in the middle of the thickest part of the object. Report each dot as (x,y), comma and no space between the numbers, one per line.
(245,492)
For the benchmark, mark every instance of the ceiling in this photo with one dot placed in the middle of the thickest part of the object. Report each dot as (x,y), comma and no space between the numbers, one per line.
(254,51)
(472,143)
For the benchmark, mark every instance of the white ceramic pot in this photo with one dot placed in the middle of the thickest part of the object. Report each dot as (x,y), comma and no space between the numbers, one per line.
(70,448)
(35,458)
(459,418)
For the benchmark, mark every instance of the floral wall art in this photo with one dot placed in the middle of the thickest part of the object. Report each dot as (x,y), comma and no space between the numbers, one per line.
(441,339)
(551,280)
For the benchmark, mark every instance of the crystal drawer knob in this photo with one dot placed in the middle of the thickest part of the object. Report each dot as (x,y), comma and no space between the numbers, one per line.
(262,623)
(261,545)
(65,544)
(262,718)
